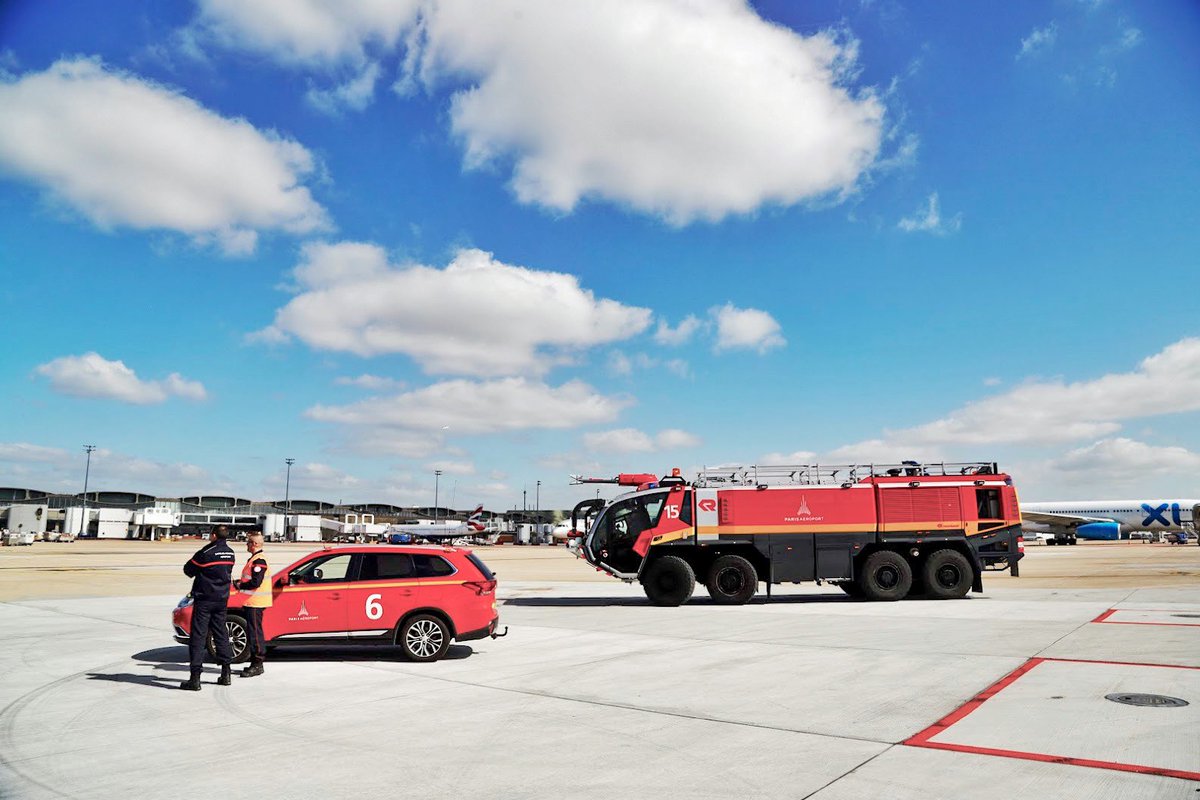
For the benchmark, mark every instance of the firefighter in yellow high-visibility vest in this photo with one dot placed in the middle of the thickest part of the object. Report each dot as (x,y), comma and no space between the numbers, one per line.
(255,582)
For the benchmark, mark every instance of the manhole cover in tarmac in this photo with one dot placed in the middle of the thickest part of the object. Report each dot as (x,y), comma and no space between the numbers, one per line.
(1156,700)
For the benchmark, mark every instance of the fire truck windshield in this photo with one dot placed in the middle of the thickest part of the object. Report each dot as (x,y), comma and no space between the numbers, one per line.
(619,527)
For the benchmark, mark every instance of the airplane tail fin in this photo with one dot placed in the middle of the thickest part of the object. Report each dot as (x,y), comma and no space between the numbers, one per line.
(475,521)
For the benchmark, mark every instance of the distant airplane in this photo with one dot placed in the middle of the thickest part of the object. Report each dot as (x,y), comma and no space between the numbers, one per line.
(436,531)
(1109,519)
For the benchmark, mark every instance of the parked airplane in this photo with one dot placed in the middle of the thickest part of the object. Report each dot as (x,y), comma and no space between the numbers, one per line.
(1108,519)
(438,531)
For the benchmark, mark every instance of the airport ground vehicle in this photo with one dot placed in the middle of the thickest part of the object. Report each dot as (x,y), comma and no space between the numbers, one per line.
(417,597)
(877,531)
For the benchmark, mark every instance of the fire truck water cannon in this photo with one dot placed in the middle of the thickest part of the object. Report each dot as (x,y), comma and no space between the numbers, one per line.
(876,531)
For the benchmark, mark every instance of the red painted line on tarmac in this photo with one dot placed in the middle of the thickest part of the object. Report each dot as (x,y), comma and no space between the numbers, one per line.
(972,704)
(1104,618)
(1078,762)
(922,739)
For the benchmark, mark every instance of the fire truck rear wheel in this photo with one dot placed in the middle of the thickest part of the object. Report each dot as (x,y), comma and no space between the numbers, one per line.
(947,574)
(670,581)
(885,576)
(732,580)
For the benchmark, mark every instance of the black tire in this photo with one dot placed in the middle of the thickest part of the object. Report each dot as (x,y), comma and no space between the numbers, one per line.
(948,575)
(732,581)
(239,640)
(885,576)
(851,588)
(669,581)
(424,638)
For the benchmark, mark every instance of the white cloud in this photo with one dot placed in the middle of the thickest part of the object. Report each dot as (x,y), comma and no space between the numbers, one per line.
(124,151)
(631,440)
(92,375)
(796,457)
(1039,40)
(354,95)
(666,335)
(1042,411)
(930,220)
(473,317)
(745,328)
(1113,461)
(470,407)
(23,452)
(685,109)
(451,467)
(1130,38)
(373,383)
(319,33)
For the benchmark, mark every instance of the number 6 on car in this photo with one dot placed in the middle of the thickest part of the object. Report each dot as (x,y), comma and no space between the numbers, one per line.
(374,609)
(418,597)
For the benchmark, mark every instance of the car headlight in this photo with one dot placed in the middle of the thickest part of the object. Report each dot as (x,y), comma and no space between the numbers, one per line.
(185,602)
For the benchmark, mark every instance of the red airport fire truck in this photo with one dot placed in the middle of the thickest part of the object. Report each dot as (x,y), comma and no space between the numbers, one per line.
(882,532)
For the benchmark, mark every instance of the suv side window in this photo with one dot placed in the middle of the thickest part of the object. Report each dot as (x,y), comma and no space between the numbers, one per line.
(382,566)
(322,570)
(432,566)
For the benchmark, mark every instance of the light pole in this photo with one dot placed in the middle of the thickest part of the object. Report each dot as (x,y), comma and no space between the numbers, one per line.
(437,474)
(537,505)
(87,448)
(287,494)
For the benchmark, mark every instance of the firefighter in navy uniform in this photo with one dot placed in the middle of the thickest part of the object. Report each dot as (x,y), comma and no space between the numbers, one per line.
(255,582)
(210,570)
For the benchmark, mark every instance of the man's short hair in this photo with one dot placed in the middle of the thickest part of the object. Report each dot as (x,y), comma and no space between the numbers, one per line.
(254,535)
(221,531)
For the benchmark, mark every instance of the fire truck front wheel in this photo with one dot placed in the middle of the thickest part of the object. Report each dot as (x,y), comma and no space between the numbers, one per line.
(947,575)
(885,576)
(732,580)
(669,581)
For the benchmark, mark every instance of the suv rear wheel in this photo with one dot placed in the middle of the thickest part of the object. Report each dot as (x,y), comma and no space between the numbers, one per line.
(424,637)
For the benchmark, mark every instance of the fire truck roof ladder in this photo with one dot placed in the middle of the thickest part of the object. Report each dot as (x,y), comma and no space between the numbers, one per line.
(815,474)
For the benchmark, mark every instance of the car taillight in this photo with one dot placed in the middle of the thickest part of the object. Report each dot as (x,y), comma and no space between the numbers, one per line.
(481,587)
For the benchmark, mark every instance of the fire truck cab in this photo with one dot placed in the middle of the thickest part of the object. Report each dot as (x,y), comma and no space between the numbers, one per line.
(881,532)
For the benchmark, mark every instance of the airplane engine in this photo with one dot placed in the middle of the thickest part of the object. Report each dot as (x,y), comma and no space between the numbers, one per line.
(1099,530)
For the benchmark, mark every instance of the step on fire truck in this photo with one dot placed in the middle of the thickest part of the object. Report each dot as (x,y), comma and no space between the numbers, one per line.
(880,532)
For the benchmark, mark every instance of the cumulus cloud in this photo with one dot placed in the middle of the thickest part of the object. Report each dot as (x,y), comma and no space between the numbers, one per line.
(23,452)
(929,220)
(745,329)
(92,375)
(683,109)
(353,95)
(1110,460)
(1041,411)
(319,33)
(680,334)
(56,470)
(1039,40)
(414,423)
(472,317)
(631,440)
(373,383)
(123,151)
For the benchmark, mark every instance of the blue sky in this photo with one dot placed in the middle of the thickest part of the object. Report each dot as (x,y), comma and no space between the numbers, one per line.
(526,239)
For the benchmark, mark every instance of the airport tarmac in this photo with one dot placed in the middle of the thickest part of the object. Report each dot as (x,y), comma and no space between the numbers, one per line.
(595,693)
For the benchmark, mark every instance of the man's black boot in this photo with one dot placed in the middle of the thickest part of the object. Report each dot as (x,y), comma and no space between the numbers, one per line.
(226,676)
(192,684)
(255,669)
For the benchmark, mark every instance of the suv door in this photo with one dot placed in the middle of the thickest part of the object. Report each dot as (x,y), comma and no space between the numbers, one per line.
(384,591)
(311,603)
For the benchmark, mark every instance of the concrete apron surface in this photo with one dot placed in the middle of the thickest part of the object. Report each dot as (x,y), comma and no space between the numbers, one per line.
(595,693)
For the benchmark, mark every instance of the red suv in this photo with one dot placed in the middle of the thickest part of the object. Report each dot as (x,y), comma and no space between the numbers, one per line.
(417,597)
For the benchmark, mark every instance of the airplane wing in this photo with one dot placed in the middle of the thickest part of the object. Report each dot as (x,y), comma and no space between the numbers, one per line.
(1060,519)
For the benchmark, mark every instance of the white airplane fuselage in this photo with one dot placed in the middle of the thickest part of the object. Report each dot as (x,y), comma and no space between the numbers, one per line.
(1162,516)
